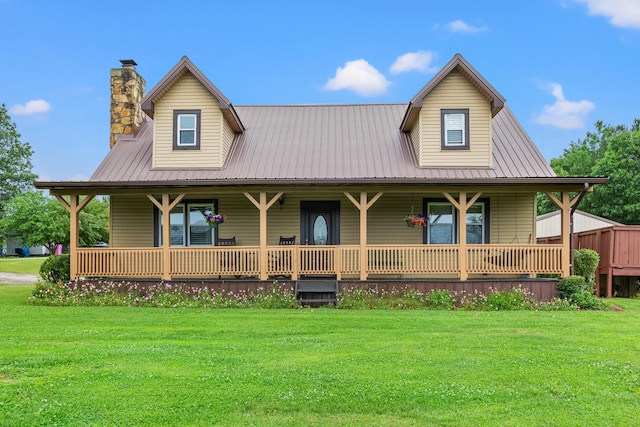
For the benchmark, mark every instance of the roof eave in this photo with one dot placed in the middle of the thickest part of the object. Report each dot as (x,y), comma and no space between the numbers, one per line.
(148,102)
(106,185)
(458,61)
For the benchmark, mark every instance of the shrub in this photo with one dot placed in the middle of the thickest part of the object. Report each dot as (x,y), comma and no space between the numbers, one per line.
(576,290)
(56,269)
(585,263)
(587,301)
(571,285)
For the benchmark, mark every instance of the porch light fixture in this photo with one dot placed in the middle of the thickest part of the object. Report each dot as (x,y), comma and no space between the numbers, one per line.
(281,201)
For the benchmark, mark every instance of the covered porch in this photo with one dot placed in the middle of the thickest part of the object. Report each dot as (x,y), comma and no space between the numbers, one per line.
(362,261)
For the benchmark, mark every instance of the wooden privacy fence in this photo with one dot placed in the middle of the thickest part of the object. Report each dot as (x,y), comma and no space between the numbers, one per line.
(295,261)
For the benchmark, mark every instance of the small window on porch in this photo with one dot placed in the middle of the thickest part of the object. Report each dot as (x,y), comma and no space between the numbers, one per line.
(444,224)
(188,225)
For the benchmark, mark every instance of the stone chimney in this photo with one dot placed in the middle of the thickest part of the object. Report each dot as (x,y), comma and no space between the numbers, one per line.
(127,91)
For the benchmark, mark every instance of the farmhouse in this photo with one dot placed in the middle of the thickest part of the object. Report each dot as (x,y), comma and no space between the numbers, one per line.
(442,187)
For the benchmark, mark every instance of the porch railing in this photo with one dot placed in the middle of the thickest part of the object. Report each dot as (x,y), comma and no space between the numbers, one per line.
(129,262)
(319,260)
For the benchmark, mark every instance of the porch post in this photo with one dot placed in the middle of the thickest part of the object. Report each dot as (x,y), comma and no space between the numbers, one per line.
(263,206)
(74,206)
(166,207)
(363,206)
(565,214)
(462,206)
(364,256)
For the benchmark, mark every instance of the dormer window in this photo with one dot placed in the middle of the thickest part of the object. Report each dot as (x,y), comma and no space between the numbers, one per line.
(186,129)
(455,129)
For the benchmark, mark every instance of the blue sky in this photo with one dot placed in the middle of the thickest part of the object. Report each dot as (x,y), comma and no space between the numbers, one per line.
(561,64)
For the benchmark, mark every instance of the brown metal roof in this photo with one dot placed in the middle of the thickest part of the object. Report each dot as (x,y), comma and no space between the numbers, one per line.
(326,142)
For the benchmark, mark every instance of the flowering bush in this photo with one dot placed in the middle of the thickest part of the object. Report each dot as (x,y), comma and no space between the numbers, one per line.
(111,293)
(277,295)
(416,220)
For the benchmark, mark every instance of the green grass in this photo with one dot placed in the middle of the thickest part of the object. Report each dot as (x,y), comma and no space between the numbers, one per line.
(109,366)
(30,265)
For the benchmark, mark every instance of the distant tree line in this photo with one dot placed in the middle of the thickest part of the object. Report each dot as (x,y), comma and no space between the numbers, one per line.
(611,151)
(29,215)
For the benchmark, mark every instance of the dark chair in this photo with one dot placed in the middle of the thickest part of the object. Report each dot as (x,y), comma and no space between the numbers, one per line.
(231,241)
(287,241)
(283,260)
(228,259)
(20,252)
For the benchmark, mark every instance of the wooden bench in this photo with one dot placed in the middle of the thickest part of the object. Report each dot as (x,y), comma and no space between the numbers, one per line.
(317,292)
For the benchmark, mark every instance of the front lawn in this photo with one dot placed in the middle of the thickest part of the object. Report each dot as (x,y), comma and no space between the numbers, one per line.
(26,265)
(106,366)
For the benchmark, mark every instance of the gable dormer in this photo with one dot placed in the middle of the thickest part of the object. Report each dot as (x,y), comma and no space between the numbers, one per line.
(449,120)
(194,123)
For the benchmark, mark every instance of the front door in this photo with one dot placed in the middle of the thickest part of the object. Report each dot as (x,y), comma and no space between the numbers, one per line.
(320,223)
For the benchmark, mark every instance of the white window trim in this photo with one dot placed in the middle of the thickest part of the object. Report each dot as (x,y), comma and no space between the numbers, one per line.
(178,115)
(445,143)
(182,128)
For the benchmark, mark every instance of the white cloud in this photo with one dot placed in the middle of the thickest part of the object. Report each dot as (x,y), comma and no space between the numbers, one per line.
(418,61)
(35,106)
(359,76)
(460,26)
(622,13)
(564,114)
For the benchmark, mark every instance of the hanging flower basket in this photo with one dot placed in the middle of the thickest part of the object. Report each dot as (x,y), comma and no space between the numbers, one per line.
(416,220)
(214,219)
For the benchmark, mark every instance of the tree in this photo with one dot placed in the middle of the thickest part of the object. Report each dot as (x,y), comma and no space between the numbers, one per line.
(39,220)
(611,151)
(94,223)
(16,176)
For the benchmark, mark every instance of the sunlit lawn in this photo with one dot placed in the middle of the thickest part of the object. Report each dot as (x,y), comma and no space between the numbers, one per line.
(26,265)
(77,366)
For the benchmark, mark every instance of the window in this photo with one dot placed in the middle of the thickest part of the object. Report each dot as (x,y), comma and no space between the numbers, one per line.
(188,225)
(443,227)
(186,129)
(455,129)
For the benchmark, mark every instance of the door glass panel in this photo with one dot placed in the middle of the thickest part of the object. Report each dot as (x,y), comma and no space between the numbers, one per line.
(320,231)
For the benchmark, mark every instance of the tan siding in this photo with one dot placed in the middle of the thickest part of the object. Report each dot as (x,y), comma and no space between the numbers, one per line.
(243,218)
(228,136)
(455,92)
(415,139)
(386,225)
(131,222)
(188,94)
(513,218)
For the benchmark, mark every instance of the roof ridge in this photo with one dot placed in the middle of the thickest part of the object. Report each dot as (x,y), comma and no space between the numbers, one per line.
(325,105)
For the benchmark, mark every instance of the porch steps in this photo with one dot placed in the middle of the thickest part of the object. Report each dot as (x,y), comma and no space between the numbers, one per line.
(314,292)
